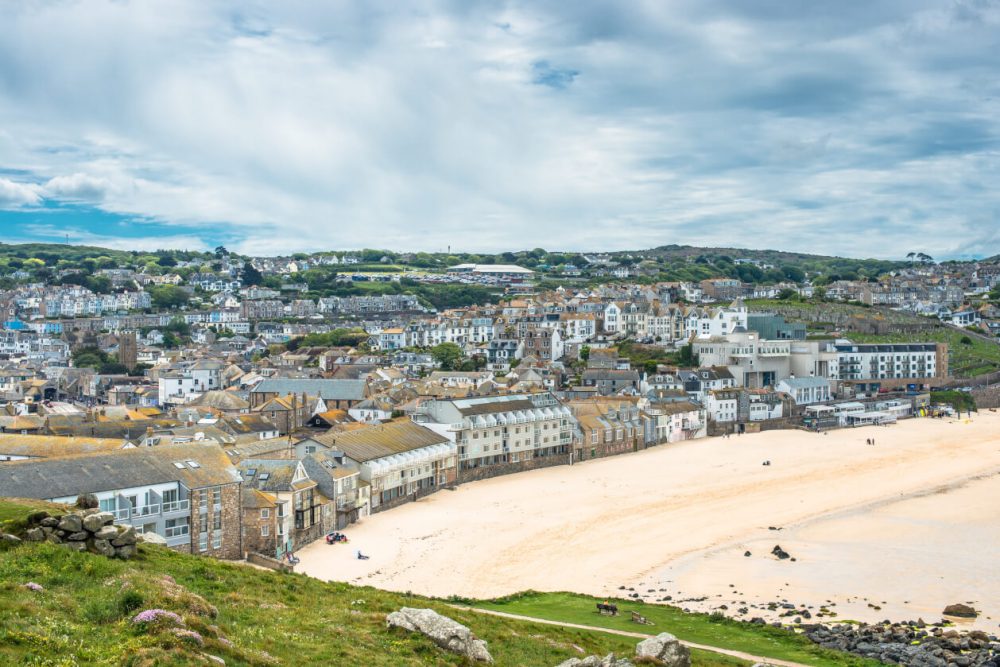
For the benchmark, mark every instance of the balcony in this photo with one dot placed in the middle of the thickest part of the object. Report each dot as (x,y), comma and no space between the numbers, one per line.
(146,510)
(122,514)
(177,506)
(177,531)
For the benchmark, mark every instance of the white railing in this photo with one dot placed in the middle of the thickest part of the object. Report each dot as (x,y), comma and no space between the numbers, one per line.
(147,510)
(176,531)
(176,506)
(121,515)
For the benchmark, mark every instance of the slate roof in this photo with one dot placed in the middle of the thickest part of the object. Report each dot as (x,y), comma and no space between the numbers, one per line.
(93,473)
(336,389)
(279,474)
(324,469)
(374,442)
(47,446)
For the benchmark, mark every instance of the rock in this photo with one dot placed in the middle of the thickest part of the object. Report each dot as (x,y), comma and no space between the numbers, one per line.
(960,610)
(125,551)
(78,537)
(443,631)
(779,552)
(53,538)
(35,535)
(94,522)
(87,501)
(665,648)
(71,523)
(125,537)
(747,554)
(102,547)
(10,539)
(49,522)
(35,518)
(594,661)
(106,533)
(76,546)
(152,538)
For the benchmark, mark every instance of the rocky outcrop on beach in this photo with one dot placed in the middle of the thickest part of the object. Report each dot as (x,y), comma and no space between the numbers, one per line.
(960,610)
(443,631)
(913,644)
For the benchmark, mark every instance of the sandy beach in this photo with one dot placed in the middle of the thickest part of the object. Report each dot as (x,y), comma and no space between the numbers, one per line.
(911,523)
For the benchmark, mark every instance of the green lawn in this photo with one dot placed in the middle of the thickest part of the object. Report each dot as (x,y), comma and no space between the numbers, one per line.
(698,628)
(245,615)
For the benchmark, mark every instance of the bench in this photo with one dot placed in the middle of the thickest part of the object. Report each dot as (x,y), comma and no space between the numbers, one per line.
(640,619)
(609,609)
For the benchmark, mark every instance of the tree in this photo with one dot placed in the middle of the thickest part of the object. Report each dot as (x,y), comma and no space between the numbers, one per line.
(221,251)
(168,296)
(448,355)
(584,352)
(251,276)
(793,273)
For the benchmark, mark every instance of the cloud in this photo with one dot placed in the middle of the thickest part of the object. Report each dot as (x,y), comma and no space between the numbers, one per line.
(77,187)
(14,194)
(496,126)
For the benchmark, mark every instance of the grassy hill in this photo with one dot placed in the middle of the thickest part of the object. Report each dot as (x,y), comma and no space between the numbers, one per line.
(248,616)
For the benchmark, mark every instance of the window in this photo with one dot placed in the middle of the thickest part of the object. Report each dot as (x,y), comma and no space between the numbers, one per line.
(217,495)
(217,541)
(194,464)
(265,530)
(264,476)
(203,543)
(217,521)
(108,505)
(265,513)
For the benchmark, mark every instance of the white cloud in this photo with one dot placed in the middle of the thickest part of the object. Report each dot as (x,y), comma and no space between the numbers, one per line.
(297,126)
(13,194)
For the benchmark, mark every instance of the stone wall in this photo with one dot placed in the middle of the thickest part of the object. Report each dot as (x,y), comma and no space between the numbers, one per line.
(87,530)
(987,397)
(498,469)
(268,562)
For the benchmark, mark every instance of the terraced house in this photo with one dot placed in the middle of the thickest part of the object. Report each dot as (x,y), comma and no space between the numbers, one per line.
(189,494)
(493,430)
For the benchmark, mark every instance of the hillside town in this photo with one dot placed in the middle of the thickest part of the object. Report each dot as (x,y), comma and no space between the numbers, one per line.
(231,410)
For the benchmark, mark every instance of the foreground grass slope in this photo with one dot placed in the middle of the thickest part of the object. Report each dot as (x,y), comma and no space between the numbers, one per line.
(247,616)
(83,616)
(713,630)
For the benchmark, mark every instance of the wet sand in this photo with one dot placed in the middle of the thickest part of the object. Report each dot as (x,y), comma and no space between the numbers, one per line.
(904,520)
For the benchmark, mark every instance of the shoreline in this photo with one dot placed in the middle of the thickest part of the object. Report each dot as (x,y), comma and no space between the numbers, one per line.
(660,518)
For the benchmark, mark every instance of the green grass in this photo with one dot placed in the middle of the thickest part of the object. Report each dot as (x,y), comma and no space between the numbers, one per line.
(83,616)
(698,628)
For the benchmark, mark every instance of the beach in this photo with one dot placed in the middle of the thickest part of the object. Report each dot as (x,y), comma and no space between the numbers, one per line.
(911,524)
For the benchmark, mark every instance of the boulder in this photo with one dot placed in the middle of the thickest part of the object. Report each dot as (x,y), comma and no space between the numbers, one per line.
(87,501)
(106,533)
(78,537)
(10,539)
(595,661)
(102,547)
(94,522)
(76,546)
(666,648)
(125,552)
(960,610)
(779,552)
(152,538)
(71,523)
(35,535)
(443,631)
(49,522)
(125,537)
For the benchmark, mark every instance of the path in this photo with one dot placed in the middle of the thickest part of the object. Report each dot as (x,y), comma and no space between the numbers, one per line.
(638,635)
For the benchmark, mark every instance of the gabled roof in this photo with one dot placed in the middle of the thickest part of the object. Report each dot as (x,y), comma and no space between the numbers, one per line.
(94,473)
(373,442)
(336,389)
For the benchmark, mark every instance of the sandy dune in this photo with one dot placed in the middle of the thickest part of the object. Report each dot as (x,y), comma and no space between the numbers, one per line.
(681,516)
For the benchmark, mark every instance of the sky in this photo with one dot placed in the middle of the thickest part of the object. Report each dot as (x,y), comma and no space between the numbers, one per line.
(861,129)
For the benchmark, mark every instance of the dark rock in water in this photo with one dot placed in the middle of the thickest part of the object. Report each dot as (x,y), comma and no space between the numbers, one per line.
(960,610)
(747,554)
(779,552)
